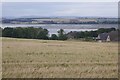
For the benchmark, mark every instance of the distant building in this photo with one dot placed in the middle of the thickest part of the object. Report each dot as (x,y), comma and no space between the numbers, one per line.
(106,37)
(72,35)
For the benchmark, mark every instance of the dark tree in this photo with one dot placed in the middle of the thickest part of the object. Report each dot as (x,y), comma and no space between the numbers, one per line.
(42,33)
(103,30)
(54,37)
(62,35)
(7,32)
(27,32)
(1,32)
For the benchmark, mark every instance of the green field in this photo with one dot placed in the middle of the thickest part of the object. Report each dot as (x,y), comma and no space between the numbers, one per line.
(27,58)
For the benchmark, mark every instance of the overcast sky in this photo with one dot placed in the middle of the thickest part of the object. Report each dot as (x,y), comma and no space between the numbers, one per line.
(81,9)
(59,0)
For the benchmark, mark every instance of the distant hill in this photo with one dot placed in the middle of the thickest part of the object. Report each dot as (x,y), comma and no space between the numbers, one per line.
(60,20)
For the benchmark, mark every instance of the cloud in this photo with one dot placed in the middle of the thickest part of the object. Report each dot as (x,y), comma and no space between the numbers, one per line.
(68,12)
(60,9)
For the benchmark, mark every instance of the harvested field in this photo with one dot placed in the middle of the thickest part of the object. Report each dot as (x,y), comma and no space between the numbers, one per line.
(27,58)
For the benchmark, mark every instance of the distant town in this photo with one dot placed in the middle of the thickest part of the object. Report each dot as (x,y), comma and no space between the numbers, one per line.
(60,20)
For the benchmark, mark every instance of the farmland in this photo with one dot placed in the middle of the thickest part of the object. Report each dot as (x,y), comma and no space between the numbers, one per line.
(28,58)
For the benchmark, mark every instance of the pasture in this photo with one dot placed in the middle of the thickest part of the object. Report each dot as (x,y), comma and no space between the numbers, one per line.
(27,58)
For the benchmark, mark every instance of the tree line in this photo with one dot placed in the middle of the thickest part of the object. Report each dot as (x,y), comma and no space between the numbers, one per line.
(40,33)
(32,33)
(85,34)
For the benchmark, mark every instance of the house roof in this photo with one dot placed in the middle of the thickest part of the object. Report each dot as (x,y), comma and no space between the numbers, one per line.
(113,36)
(103,36)
(71,34)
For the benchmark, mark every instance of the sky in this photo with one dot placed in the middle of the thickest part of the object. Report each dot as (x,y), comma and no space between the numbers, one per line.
(59,0)
(43,9)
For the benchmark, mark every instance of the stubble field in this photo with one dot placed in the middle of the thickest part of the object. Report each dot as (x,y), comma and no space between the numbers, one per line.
(25,58)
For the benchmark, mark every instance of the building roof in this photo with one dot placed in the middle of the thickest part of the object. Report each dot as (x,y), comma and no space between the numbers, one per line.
(72,34)
(113,36)
(103,36)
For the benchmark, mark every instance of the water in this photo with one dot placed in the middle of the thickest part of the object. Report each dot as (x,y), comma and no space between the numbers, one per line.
(53,28)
